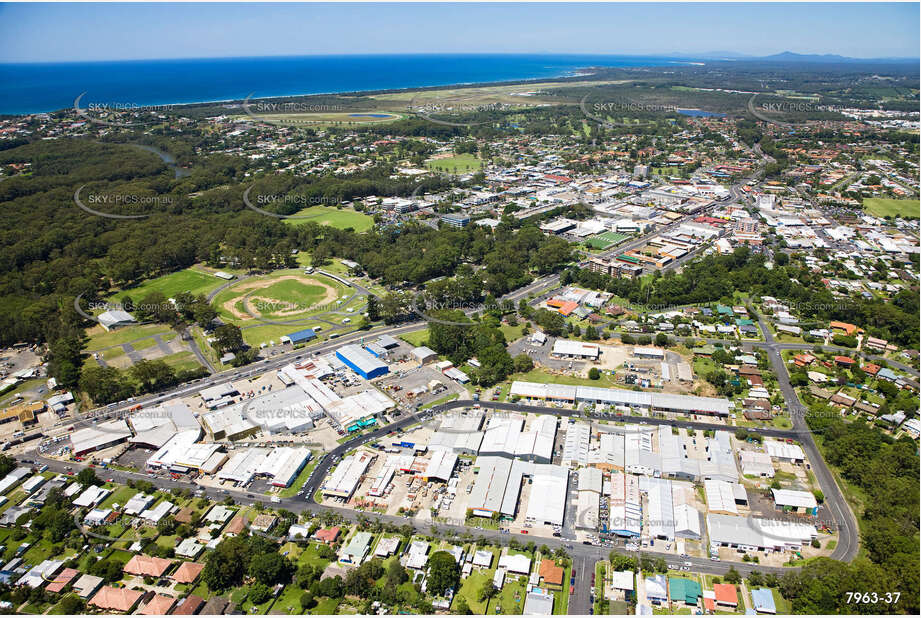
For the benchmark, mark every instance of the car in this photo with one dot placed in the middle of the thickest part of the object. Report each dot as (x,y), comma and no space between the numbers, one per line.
(524,532)
(572,589)
(687,563)
(673,567)
(110,480)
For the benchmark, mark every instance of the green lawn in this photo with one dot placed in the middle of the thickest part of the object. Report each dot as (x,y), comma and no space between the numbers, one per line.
(342,219)
(459,164)
(470,589)
(102,339)
(120,495)
(189,280)
(416,338)
(181,360)
(325,607)
(510,599)
(883,207)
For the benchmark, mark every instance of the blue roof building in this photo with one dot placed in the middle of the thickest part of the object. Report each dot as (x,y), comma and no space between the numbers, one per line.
(763,600)
(302,335)
(361,361)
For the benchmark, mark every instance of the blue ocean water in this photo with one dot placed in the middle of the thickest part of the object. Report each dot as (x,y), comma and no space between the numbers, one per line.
(31,88)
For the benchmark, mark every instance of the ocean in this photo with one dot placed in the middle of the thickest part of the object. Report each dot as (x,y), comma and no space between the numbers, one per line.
(45,87)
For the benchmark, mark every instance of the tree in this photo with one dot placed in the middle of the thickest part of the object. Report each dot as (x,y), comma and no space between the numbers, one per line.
(87,477)
(594,374)
(487,591)
(661,340)
(226,565)
(732,576)
(72,604)
(443,573)
(259,593)
(307,601)
(270,568)
(755,578)
(523,363)
(228,338)
(374,313)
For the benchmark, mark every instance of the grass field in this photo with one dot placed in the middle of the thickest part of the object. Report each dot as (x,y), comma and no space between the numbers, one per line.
(188,280)
(605,240)
(416,338)
(285,295)
(100,338)
(459,164)
(883,207)
(342,219)
(181,360)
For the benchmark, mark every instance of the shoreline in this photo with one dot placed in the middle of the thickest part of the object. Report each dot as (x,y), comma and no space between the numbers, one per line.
(584,72)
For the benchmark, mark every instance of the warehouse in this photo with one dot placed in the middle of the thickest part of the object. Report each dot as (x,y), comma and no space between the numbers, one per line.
(626,511)
(229,424)
(381,482)
(609,456)
(720,497)
(590,485)
(683,404)
(687,522)
(424,355)
(459,432)
(661,517)
(182,454)
(286,464)
(653,353)
(99,436)
(638,455)
(280,411)
(344,480)
(754,534)
(536,444)
(488,491)
(550,485)
(440,466)
(361,361)
(501,436)
(575,445)
(565,348)
(783,451)
(757,464)
(299,337)
(13,478)
(115,318)
(795,501)
(722,463)
(155,426)
(675,462)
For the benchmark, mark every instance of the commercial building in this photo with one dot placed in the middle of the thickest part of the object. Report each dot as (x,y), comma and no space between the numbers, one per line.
(625,505)
(550,486)
(344,480)
(99,436)
(756,534)
(795,501)
(575,445)
(590,487)
(300,336)
(659,402)
(440,466)
(361,361)
(565,348)
(754,463)
(153,427)
(115,318)
(783,451)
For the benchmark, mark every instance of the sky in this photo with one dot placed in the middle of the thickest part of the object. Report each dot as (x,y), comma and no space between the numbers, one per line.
(80,32)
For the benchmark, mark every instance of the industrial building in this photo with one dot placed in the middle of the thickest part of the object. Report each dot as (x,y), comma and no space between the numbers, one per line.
(565,348)
(344,480)
(299,337)
(154,427)
(590,487)
(756,534)
(361,361)
(550,486)
(659,402)
(182,453)
(626,510)
(505,437)
(99,436)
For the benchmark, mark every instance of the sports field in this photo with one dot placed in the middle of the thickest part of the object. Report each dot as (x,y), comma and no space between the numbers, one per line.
(884,207)
(188,280)
(285,296)
(459,164)
(605,240)
(334,217)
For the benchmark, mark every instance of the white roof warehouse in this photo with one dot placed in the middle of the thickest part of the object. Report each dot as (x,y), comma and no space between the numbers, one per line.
(618,397)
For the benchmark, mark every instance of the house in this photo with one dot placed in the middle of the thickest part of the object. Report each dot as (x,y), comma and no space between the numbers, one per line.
(187,572)
(236,525)
(550,574)
(159,605)
(217,606)
(87,585)
(763,600)
(516,563)
(538,603)
(417,556)
(803,360)
(192,605)
(844,361)
(725,595)
(147,566)
(847,329)
(189,548)
(61,580)
(327,536)
(120,600)
(656,591)
(357,548)
(264,522)
(681,590)
(482,558)
(387,546)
